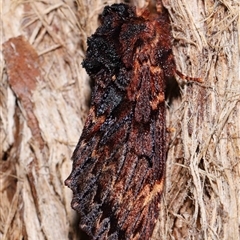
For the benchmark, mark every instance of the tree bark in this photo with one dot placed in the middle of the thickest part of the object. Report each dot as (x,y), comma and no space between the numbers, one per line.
(44,106)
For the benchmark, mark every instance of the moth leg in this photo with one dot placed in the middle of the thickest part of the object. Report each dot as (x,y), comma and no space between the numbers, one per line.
(182,76)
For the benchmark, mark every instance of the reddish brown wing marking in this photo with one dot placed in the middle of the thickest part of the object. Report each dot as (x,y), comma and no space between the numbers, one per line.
(119,162)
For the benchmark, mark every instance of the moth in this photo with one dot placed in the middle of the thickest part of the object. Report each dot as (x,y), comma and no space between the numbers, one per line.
(119,163)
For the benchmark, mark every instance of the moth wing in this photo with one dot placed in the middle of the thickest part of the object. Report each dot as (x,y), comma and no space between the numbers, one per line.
(118,164)
(117,176)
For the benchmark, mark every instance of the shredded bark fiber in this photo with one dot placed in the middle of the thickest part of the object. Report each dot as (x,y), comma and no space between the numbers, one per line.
(44,99)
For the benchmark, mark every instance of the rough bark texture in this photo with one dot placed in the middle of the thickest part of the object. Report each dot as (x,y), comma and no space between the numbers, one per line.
(42,115)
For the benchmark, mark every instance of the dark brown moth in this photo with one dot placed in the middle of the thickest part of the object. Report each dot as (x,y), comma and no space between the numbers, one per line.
(119,162)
